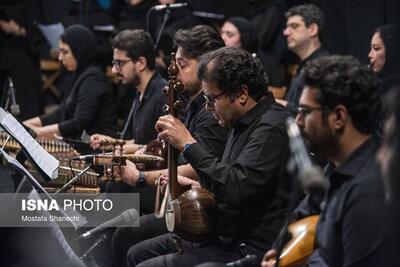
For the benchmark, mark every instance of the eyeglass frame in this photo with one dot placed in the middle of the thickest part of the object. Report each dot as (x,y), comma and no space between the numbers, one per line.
(210,100)
(120,63)
(303,111)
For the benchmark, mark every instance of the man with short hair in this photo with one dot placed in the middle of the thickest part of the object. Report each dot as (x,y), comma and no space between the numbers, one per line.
(249,182)
(134,65)
(191,45)
(303,32)
(337,113)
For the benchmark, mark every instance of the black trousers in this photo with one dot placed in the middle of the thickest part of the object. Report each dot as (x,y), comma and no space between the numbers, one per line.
(125,237)
(162,251)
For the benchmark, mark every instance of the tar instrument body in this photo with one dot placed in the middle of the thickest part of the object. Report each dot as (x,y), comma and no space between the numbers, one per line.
(191,214)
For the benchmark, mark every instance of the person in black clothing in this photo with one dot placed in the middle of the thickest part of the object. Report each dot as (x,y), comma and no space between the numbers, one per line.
(20,44)
(303,32)
(89,105)
(131,14)
(192,44)
(250,182)
(337,114)
(134,65)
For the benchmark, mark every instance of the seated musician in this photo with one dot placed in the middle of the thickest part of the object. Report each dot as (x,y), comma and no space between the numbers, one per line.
(90,103)
(250,182)
(134,65)
(191,45)
(337,112)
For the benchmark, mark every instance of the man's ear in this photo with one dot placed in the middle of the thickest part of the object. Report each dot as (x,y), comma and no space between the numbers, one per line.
(340,116)
(141,63)
(243,94)
(313,29)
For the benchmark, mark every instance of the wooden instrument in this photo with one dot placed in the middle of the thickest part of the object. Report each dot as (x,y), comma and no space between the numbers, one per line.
(159,149)
(190,215)
(117,159)
(301,245)
(57,148)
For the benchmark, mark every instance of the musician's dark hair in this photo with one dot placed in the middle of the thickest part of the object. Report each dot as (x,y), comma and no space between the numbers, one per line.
(310,14)
(198,40)
(230,69)
(136,43)
(343,80)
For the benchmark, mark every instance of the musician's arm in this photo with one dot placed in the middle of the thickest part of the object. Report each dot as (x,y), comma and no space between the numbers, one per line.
(242,178)
(47,131)
(33,122)
(131,174)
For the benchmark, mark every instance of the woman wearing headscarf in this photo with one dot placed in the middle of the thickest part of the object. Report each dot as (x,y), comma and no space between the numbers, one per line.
(90,103)
(384,56)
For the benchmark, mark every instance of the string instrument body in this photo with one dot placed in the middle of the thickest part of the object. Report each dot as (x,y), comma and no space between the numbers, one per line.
(190,214)
(301,246)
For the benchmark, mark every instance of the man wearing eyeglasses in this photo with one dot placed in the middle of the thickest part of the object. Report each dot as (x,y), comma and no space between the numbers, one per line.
(303,32)
(249,182)
(134,65)
(338,113)
(191,45)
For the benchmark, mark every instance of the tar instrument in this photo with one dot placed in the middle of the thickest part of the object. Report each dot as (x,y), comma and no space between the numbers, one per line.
(192,214)
(301,245)
(117,159)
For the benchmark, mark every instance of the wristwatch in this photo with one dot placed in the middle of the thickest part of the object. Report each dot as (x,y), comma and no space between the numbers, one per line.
(141,182)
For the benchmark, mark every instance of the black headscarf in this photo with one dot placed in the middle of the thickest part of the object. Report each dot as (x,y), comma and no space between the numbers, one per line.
(83,45)
(248,36)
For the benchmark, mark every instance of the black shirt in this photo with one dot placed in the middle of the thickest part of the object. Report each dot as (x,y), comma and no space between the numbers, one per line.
(296,88)
(354,220)
(89,106)
(204,127)
(250,181)
(147,110)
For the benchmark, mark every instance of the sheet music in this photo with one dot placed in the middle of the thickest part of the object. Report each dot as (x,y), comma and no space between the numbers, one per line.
(46,162)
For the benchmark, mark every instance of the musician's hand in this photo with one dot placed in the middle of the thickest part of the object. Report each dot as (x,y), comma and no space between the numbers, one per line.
(269,259)
(130,173)
(140,151)
(182,180)
(12,27)
(174,131)
(95,140)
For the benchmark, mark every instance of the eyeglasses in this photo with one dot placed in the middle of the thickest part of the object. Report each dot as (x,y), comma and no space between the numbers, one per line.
(119,63)
(304,111)
(212,99)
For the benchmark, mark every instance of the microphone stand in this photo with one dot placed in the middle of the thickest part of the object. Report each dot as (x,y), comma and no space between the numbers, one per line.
(167,14)
(72,180)
(93,247)
(11,101)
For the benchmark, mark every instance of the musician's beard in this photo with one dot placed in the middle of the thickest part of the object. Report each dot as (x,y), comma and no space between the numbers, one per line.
(192,88)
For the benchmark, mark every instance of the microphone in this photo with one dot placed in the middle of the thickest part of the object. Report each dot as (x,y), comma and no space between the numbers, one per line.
(14,108)
(309,174)
(171,6)
(127,216)
(248,261)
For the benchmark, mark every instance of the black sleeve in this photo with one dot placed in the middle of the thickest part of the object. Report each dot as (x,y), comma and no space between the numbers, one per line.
(209,134)
(51,118)
(88,102)
(256,166)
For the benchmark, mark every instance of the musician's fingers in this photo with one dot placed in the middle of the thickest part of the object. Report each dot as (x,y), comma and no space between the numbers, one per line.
(269,258)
